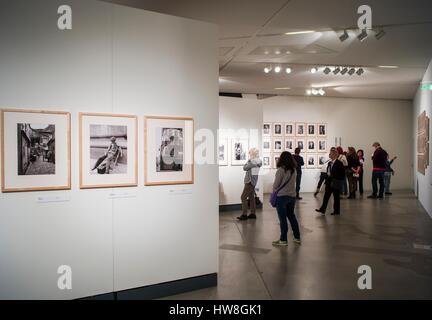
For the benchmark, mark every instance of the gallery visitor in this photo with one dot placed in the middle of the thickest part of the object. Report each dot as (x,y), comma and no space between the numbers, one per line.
(379,160)
(333,183)
(360,154)
(300,163)
(343,159)
(353,171)
(322,178)
(389,172)
(252,168)
(284,186)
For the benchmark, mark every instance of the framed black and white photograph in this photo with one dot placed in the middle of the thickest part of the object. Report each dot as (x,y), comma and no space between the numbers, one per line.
(300,143)
(266,161)
(35,150)
(169,150)
(108,150)
(276,157)
(322,159)
(322,130)
(290,145)
(311,130)
(300,129)
(277,145)
(222,152)
(311,145)
(322,145)
(267,129)
(267,147)
(277,129)
(311,161)
(289,130)
(239,151)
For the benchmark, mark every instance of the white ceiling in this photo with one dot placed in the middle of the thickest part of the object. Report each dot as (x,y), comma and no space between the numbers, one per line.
(251,32)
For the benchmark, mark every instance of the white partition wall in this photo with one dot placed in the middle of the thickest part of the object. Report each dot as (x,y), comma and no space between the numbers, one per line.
(114,60)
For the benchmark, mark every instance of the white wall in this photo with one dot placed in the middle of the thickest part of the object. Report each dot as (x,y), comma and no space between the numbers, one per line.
(119,60)
(422,102)
(238,118)
(359,122)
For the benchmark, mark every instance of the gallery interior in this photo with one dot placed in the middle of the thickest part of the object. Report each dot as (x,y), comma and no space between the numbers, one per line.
(126,125)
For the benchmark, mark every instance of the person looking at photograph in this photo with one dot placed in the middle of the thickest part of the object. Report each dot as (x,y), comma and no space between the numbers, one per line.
(379,160)
(360,154)
(284,184)
(300,163)
(113,152)
(251,168)
(389,172)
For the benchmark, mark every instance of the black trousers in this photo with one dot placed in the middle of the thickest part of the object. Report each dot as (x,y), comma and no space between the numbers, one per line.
(360,182)
(336,197)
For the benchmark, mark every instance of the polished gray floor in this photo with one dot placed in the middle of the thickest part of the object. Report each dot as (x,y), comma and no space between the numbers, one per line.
(393,236)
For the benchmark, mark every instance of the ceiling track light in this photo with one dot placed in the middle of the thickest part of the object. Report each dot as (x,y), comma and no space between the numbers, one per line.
(360,71)
(363,35)
(336,70)
(315,92)
(314,70)
(351,71)
(327,70)
(344,70)
(381,33)
(344,36)
(288,70)
(277,69)
(267,69)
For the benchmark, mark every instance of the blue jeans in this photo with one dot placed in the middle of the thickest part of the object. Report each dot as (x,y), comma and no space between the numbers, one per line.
(298,181)
(378,176)
(285,208)
(387,180)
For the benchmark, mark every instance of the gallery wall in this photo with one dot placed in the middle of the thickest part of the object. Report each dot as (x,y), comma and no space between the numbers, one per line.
(115,60)
(359,122)
(238,118)
(423,102)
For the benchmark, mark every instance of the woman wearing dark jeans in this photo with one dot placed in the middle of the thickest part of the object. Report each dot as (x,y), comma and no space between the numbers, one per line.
(286,198)
(360,154)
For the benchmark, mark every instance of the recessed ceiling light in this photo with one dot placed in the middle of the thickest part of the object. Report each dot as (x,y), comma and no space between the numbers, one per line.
(344,36)
(277,52)
(299,32)
(277,69)
(388,67)
(282,88)
(288,70)
(313,70)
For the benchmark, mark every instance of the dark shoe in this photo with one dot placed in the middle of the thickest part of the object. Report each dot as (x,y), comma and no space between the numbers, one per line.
(252,216)
(334,214)
(388,193)
(320,211)
(242,217)
(298,196)
(316,193)
(372,196)
(380,197)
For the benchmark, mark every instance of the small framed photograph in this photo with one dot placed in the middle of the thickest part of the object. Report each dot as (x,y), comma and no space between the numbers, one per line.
(169,150)
(289,129)
(322,145)
(311,161)
(267,129)
(300,129)
(311,145)
(322,130)
(311,130)
(290,145)
(223,152)
(322,159)
(300,143)
(267,147)
(35,150)
(239,151)
(277,129)
(108,150)
(277,145)
(276,157)
(267,164)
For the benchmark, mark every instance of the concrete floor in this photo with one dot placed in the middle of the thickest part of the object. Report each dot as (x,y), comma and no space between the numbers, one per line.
(392,236)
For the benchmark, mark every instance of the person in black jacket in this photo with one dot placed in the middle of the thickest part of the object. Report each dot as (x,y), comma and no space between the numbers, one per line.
(333,184)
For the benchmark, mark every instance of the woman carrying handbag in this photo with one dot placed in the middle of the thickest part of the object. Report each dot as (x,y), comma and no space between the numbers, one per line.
(283,198)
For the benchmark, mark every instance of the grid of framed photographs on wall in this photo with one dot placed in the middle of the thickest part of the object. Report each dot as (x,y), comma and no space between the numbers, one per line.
(310,137)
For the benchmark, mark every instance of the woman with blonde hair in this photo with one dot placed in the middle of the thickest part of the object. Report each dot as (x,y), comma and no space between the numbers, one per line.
(251,168)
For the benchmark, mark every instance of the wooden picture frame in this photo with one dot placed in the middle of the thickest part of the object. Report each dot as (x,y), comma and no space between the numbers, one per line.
(186,176)
(122,179)
(13,180)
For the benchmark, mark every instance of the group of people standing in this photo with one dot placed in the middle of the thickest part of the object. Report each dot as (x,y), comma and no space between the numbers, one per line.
(342,175)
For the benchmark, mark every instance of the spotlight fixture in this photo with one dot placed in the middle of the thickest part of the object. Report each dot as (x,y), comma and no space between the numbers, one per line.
(288,70)
(351,71)
(314,92)
(313,70)
(336,70)
(363,35)
(277,69)
(344,36)
(308,92)
(321,92)
(360,71)
(327,70)
(344,70)
(267,69)
(380,34)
